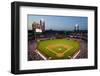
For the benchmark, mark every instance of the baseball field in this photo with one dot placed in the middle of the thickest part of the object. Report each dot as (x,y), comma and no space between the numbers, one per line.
(58,48)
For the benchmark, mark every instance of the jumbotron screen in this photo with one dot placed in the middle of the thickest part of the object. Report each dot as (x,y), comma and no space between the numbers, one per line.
(38,30)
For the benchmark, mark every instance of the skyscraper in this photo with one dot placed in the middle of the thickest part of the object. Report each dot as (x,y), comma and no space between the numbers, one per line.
(38,27)
(42,24)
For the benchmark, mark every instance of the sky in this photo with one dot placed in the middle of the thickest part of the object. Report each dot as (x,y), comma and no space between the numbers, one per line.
(66,23)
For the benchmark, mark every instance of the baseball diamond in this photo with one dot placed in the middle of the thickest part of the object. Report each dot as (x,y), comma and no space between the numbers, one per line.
(58,48)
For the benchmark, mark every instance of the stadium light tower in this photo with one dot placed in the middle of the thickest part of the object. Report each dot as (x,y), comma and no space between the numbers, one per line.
(76,27)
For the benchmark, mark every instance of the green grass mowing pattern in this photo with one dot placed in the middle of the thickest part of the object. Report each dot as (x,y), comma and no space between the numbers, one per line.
(47,53)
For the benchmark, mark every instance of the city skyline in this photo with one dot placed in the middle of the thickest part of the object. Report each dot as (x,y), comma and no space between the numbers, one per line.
(66,23)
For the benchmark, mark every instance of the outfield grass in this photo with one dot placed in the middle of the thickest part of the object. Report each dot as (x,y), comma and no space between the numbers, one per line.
(58,48)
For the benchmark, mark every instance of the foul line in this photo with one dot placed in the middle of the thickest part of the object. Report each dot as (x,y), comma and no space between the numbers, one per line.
(51,50)
(41,55)
(67,50)
(56,52)
(76,54)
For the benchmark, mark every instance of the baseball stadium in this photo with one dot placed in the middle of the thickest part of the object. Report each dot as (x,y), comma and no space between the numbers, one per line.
(50,44)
